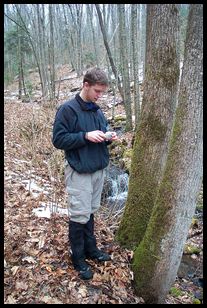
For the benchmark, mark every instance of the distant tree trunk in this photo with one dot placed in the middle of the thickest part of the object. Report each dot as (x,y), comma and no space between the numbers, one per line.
(114,27)
(19,65)
(157,113)
(79,11)
(135,61)
(90,12)
(51,54)
(143,37)
(20,57)
(41,52)
(76,37)
(157,258)
(113,67)
(35,50)
(69,42)
(125,66)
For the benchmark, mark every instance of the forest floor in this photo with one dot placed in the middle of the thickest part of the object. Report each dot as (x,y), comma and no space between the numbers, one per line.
(37,265)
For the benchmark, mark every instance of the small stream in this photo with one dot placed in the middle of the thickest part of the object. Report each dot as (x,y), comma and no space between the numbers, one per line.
(115,188)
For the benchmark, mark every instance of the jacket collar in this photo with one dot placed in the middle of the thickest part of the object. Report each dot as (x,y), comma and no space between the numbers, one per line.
(86,106)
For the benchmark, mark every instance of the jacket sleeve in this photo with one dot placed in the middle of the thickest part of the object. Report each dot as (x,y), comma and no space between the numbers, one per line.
(63,136)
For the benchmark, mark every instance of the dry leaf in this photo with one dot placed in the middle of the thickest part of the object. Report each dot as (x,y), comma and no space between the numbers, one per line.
(50,300)
(82,290)
(41,241)
(10,300)
(20,285)
(29,260)
(14,269)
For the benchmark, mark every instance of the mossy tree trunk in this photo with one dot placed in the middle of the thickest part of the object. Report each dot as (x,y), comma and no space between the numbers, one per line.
(153,132)
(157,259)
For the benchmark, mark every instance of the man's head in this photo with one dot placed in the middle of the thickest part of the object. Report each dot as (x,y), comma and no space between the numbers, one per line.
(95,83)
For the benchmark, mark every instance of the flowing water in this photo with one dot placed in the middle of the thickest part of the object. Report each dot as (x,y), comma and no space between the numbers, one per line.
(115,188)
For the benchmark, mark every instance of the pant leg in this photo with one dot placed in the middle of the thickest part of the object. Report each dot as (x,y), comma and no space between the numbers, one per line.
(79,188)
(97,183)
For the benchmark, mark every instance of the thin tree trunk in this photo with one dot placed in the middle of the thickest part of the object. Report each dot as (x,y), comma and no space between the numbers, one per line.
(70,47)
(157,258)
(51,53)
(135,61)
(108,49)
(125,66)
(19,67)
(90,12)
(143,37)
(35,52)
(41,52)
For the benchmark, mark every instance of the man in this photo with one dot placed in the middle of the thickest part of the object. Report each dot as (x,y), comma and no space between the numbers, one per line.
(79,129)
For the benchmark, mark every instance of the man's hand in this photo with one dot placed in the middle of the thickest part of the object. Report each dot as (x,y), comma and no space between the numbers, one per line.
(95,136)
(111,136)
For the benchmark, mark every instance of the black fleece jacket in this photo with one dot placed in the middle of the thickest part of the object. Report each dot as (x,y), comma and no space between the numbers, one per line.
(73,119)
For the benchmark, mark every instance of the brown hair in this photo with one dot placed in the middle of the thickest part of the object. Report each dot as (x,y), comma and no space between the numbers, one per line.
(96,76)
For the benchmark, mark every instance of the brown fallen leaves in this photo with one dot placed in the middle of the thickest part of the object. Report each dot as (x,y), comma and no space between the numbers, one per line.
(37,264)
(39,270)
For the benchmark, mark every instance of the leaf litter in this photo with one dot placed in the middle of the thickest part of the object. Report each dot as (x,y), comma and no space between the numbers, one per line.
(37,264)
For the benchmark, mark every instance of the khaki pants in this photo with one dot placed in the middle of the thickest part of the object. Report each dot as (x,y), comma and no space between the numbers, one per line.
(84,193)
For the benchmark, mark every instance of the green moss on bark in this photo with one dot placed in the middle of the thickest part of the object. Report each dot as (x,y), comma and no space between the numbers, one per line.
(148,253)
(142,185)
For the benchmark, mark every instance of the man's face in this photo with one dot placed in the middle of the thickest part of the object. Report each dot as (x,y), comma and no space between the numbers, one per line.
(93,93)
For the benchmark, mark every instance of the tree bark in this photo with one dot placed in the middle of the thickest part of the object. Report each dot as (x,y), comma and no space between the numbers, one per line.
(157,258)
(153,133)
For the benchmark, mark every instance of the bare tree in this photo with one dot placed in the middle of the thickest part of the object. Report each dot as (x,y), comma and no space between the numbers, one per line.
(69,39)
(142,37)
(113,67)
(51,53)
(135,60)
(90,13)
(76,14)
(125,66)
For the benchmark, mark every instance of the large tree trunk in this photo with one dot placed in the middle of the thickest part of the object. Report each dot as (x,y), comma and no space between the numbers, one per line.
(153,133)
(157,258)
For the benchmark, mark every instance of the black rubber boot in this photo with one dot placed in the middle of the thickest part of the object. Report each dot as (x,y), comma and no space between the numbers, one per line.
(91,250)
(76,237)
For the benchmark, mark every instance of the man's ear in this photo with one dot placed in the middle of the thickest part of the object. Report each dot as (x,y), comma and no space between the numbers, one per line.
(86,85)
